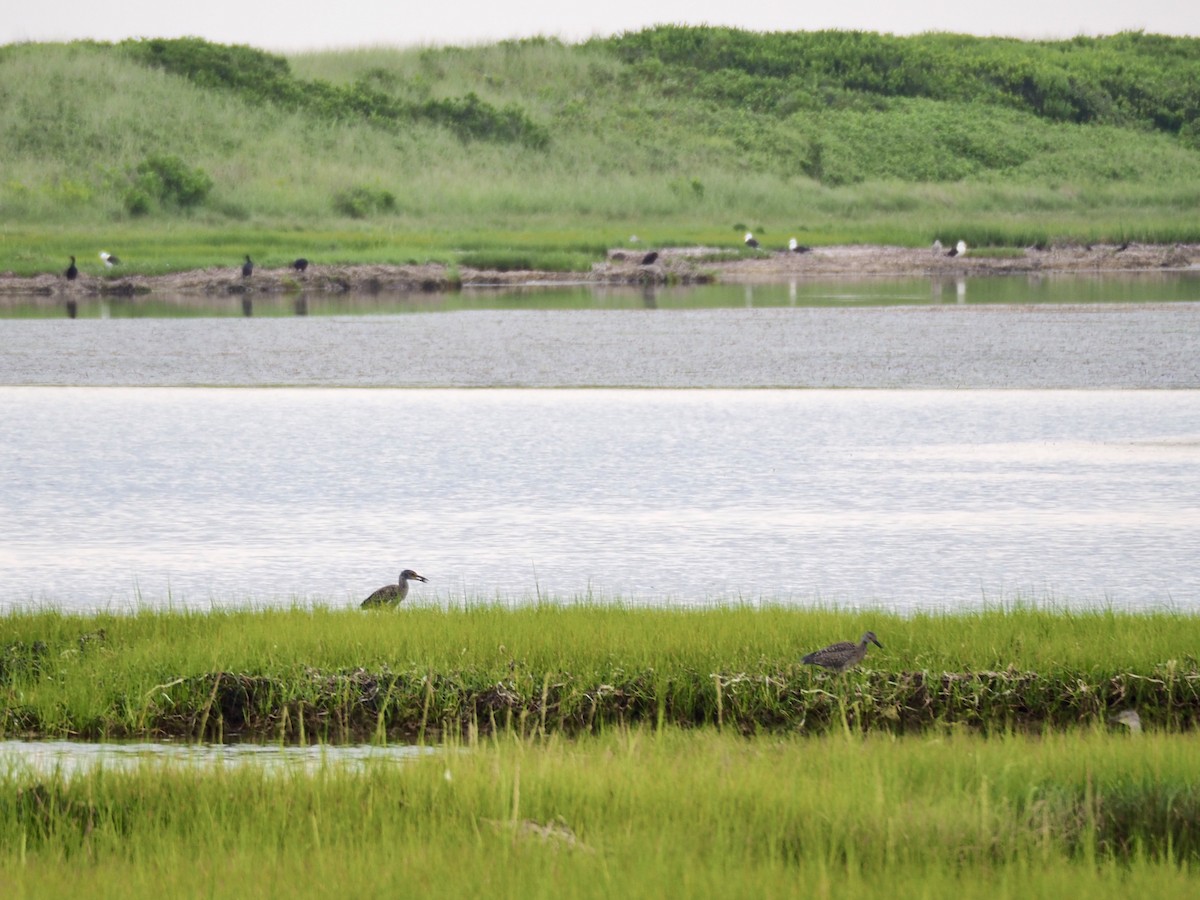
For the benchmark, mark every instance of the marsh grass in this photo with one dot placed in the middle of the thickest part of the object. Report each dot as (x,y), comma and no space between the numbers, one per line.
(633,812)
(424,672)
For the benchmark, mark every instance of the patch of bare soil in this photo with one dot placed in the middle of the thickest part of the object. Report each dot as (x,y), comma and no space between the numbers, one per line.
(679,265)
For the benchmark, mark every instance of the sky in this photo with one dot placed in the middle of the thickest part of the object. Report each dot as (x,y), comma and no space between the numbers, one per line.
(308,24)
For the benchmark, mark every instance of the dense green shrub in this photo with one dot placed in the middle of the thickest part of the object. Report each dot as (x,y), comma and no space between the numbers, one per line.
(166,180)
(1152,80)
(361,201)
(264,77)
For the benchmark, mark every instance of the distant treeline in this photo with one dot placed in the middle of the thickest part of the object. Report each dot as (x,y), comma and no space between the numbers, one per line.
(1126,79)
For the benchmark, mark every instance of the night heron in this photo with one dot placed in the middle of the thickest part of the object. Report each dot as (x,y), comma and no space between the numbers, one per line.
(72,273)
(843,655)
(248,267)
(1130,719)
(392,594)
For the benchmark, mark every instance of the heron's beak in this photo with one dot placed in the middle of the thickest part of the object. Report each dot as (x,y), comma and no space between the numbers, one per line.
(873,641)
(420,577)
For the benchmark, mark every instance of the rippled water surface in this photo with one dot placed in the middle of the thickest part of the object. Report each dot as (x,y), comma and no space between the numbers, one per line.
(1117,332)
(907,499)
(173,451)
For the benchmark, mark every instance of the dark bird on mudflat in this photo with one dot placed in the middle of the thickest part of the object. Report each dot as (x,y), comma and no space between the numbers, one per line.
(650,258)
(109,259)
(72,273)
(248,267)
(843,655)
(300,265)
(796,247)
(750,241)
(392,594)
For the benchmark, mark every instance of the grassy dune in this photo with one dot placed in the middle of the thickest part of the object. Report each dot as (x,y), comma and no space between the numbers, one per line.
(535,147)
(634,813)
(424,673)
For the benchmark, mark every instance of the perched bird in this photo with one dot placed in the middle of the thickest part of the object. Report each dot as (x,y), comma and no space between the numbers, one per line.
(650,258)
(300,265)
(392,594)
(1130,719)
(750,241)
(958,249)
(937,246)
(843,655)
(248,267)
(109,259)
(797,247)
(72,273)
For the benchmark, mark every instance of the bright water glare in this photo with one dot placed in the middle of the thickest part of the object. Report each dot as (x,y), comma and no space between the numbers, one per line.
(47,759)
(110,497)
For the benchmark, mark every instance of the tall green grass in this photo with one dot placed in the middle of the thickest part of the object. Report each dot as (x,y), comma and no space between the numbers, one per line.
(322,674)
(635,813)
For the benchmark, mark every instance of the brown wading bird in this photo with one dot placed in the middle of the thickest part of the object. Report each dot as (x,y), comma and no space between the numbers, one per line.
(392,594)
(843,655)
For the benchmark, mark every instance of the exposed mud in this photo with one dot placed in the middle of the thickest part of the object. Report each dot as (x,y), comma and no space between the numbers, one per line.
(357,706)
(679,265)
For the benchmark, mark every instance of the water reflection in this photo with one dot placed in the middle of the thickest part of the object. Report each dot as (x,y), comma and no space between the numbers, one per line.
(49,758)
(1039,288)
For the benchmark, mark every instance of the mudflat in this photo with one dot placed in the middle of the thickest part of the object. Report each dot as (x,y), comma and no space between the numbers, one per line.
(624,266)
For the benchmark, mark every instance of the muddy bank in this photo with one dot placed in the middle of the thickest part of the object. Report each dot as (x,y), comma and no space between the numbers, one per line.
(673,265)
(359,705)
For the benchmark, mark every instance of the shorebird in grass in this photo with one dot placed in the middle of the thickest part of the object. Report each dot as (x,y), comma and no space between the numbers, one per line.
(392,594)
(1130,719)
(843,655)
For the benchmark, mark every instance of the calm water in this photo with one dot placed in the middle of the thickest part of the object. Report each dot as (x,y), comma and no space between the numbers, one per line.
(44,759)
(1116,332)
(144,478)
(899,498)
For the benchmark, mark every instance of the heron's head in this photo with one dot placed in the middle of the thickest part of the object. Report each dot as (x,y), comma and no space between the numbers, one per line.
(870,636)
(410,575)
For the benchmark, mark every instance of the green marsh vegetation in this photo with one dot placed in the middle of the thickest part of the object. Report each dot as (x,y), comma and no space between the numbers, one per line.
(638,812)
(181,154)
(583,749)
(428,673)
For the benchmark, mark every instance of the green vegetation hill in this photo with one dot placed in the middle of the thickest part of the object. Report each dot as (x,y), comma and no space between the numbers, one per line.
(676,134)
